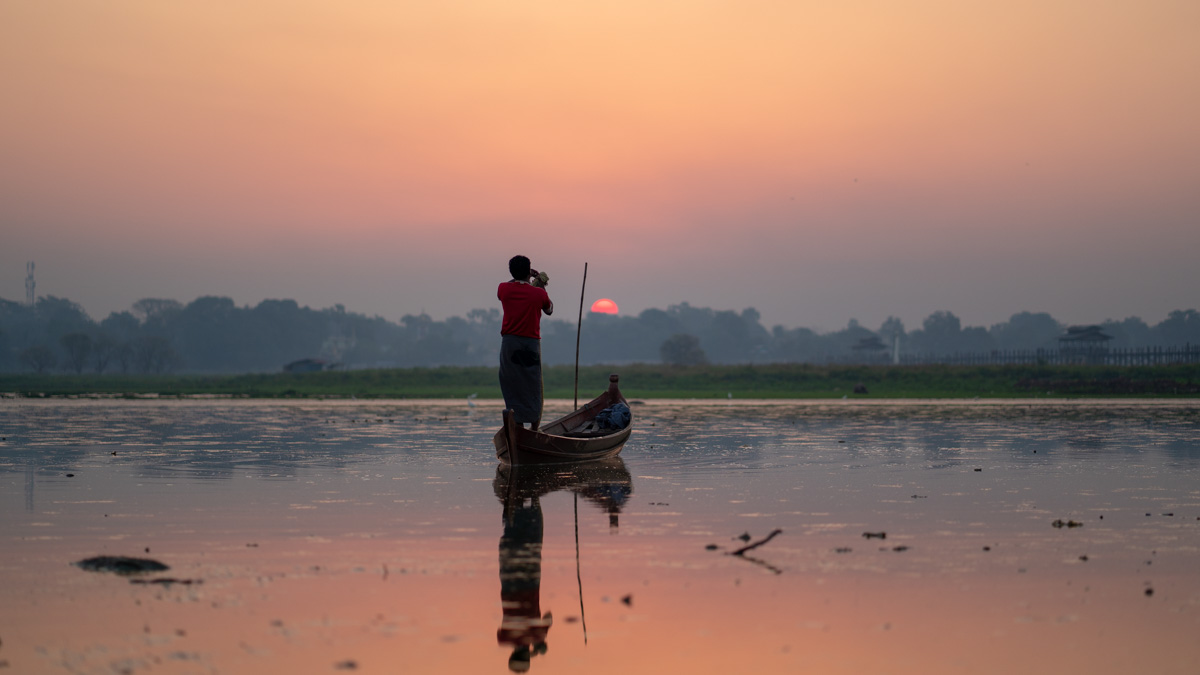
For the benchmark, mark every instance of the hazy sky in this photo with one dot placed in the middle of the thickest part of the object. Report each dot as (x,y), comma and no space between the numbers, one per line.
(819,161)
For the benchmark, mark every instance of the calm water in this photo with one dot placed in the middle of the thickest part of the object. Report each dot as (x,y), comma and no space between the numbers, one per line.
(382,537)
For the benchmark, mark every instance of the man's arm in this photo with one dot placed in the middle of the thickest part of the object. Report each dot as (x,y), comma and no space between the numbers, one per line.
(548,308)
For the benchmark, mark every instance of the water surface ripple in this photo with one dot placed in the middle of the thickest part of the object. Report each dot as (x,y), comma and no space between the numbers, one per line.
(383,537)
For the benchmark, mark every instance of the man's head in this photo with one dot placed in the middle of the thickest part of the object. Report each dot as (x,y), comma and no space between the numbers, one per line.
(518,267)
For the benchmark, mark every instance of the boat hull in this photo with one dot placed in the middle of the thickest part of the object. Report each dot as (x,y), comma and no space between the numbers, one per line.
(552,443)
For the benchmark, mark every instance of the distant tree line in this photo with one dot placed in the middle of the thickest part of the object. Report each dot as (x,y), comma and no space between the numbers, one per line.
(214,335)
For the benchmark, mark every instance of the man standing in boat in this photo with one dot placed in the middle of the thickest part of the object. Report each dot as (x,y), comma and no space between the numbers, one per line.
(524,299)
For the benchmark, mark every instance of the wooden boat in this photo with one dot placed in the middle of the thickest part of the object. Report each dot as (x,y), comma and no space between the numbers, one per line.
(572,438)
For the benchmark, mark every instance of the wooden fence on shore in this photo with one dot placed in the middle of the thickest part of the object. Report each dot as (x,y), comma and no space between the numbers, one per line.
(1133,356)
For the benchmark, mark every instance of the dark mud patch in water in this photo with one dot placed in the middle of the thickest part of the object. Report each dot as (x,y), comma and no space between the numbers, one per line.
(118,564)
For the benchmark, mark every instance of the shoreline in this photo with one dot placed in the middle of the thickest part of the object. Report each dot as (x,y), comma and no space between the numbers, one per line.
(490,404)
(644,381)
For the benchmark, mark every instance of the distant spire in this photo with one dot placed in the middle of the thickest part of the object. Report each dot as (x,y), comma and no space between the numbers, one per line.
(30,284)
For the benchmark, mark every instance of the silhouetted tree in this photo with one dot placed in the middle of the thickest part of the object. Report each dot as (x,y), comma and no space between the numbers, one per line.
(213,334)
(799,345)
(40,358)
(942,333)
(682,350)
(103,349)
(154,354)
(58,316)
(77,347)
(845,340)
(1129,332)
(150,309)
(1026,330)
(890,329)
(975,339)
(124,354)
(1180,327)
(736,338)
(122,326)
(218,335)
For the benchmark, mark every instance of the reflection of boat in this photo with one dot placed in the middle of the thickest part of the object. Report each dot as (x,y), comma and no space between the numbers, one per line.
(605,483)
(571,438)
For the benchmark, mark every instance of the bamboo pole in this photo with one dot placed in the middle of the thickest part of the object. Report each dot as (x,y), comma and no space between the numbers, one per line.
(578,331)
(578,573)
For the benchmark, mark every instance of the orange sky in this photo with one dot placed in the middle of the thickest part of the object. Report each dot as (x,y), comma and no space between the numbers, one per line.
(855,159)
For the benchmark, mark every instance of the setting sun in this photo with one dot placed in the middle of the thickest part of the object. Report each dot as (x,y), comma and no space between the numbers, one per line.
(604,306)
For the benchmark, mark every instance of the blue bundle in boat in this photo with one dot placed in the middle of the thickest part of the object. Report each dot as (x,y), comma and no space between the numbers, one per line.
(615,416)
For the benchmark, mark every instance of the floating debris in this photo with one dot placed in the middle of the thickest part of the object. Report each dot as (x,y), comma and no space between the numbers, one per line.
(874,535)
(900,549)
(628,600)
(167,581)
(119,564)
(756,544)
(1066,523)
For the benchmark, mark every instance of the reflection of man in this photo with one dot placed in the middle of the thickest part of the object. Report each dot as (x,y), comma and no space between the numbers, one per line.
(521,343)
(523,626)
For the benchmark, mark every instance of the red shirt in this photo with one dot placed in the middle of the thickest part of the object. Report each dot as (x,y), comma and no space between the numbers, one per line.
(523,306)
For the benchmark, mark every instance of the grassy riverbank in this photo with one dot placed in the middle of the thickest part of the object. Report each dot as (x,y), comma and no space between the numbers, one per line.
(649,381)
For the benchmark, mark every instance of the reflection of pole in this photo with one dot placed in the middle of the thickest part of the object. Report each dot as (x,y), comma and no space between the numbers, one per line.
(30,484)
(578,330)
(578,576)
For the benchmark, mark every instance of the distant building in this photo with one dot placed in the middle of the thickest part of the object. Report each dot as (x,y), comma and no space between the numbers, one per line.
(1084,344)
(305,366)
(1084,335)
(870,343)
(869,349)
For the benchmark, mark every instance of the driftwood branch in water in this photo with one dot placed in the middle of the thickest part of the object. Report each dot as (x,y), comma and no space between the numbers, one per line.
(762,563)
(756,544)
